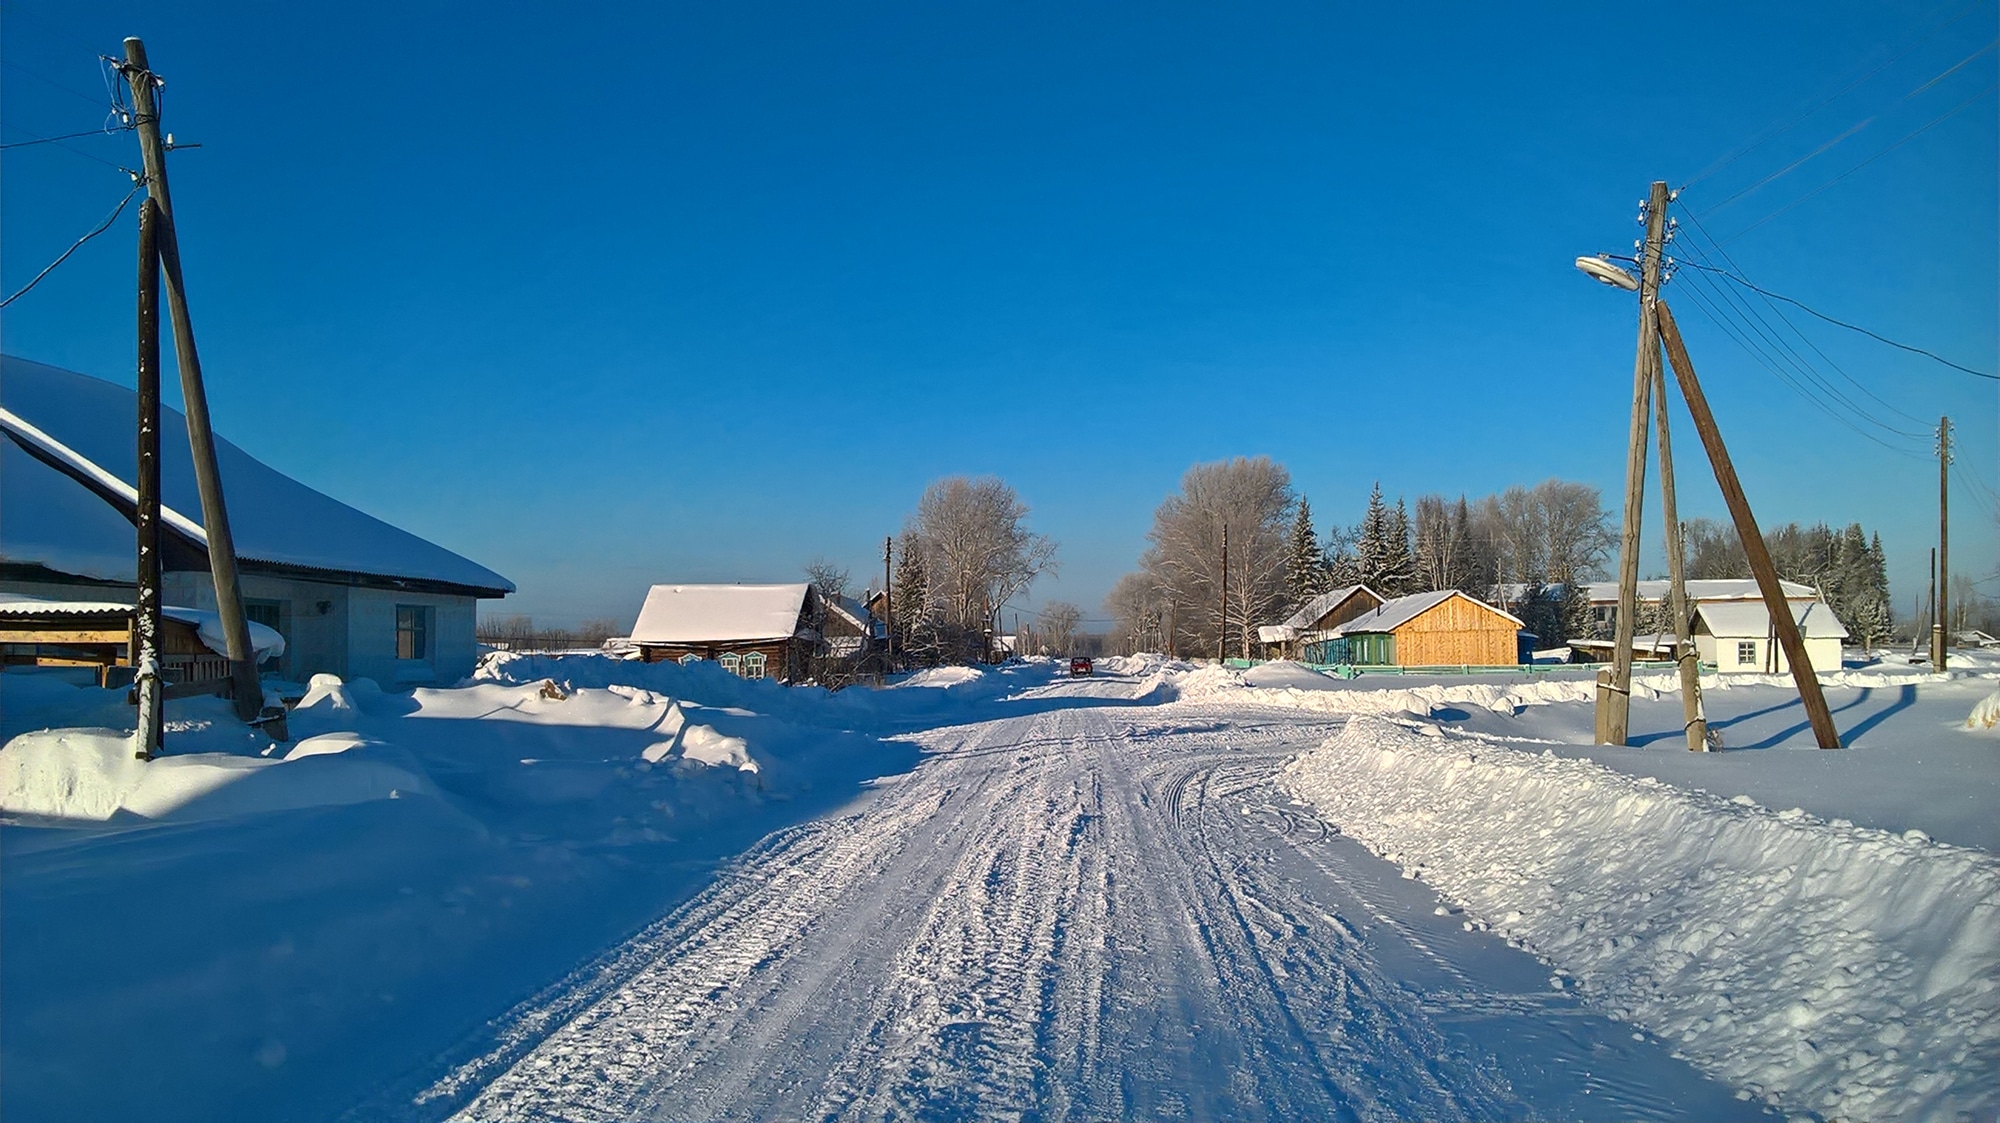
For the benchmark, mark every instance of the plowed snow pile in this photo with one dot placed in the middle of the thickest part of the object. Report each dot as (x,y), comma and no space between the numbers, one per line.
(1828,968)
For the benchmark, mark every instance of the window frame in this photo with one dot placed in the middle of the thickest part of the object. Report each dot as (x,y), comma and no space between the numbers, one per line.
(1746,652)
(414,622)
(689,659)
(755,665)
(731,662)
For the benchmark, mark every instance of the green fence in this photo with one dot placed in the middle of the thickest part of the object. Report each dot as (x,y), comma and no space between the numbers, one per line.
(1348,670)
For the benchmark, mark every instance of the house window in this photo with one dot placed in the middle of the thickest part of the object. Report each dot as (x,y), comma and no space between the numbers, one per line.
(413,631)
(275,615)
(1746,652)
(689,658)
(731,662)
(753,665)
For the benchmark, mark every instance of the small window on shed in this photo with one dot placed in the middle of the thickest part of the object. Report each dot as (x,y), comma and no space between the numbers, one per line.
(413,631)
(731,662)
(1746,651)
(753,665)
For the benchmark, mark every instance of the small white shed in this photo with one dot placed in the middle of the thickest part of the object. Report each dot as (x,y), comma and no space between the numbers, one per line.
(1737,636)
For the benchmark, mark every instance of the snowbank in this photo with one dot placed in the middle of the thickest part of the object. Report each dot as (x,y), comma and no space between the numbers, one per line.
(1986,714)
(1825,967)
(91,774)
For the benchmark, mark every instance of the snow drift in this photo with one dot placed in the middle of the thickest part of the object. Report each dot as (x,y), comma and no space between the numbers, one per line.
(1825,967)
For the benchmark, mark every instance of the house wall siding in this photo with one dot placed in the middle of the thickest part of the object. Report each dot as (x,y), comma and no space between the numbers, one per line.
(1457,631)
(371,638)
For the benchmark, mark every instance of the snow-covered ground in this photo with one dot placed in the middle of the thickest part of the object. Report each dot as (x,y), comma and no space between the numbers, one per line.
(585,889)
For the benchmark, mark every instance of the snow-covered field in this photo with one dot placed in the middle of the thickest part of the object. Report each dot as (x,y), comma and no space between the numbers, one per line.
(583,889)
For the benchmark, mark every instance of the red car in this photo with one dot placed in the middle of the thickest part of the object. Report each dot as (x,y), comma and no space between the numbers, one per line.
(1080,666)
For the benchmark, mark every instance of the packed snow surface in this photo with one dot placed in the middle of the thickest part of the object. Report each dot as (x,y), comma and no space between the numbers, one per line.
(582,888)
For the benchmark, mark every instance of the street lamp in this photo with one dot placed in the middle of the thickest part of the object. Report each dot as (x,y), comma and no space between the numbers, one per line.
(1602,270)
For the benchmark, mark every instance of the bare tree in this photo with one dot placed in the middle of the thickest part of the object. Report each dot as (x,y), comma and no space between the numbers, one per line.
(1137,605)
(830,579)
(1057,624)
(977,554)
(1252,497)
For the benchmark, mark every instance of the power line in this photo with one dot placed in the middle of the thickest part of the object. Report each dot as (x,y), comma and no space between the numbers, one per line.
(101,228)
(1907,138)
(1841,323)
(1779,130)
(1756,320)
(54,139)
(66,148)
(48,81)
(1862,124)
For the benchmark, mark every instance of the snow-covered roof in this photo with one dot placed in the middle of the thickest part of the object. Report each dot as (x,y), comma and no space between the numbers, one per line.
(83,426)
(264,640)
(1706,589)
(1749,620)
(855,613)
(1321,605)
(1391,615)
(1276,633)
(720,613)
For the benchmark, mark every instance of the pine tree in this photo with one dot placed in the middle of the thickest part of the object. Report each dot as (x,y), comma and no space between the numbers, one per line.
(1305,565)
(1371,547)
(1398,569)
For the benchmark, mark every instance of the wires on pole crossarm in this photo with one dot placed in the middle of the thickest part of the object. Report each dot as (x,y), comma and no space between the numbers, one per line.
(137,186)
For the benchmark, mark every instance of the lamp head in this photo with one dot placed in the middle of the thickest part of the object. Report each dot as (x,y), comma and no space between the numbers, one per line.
(1608,273)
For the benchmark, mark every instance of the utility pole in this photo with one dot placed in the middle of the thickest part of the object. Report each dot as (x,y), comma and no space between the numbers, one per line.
(888,604)
(145,650)
(1170,630)
(1617,700)
(1941,624)
(1222,628)
(246,690)
(1780,609)
(1695,722)
(1931,610)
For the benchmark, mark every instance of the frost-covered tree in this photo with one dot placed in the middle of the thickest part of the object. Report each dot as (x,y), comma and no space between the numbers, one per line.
(910,605)
(1055,626)
(1382,550)
(830,579)
(1305,562)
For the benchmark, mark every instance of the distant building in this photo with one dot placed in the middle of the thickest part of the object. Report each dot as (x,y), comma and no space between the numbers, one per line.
(1738,636)
(1444,628)
(756,631)
(350,594)
(1308,629)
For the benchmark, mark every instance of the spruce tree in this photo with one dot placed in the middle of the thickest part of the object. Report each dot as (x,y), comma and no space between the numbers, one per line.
(1398,568)
(1371,547)
(1305,566)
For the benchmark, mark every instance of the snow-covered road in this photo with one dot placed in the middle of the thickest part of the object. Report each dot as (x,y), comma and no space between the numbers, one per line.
(1089,910)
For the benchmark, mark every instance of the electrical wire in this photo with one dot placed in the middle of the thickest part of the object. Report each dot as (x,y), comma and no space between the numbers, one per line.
(1746,283)
(48,81)
(101,228)
(1907,138)
(1779,130)
(1756,321)
(73,151)
(54,139)
(1720,320)
(1855,128)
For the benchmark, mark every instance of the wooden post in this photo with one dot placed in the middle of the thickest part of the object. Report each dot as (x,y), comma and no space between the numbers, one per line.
(1222,627)
(1753,540)
(1619,700)
(145,642)
(1695,722)
(888,602)
(245,689)
(1941,626)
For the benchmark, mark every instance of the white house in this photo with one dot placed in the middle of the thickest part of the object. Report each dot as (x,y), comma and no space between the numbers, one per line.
(350,594)
(1736,635)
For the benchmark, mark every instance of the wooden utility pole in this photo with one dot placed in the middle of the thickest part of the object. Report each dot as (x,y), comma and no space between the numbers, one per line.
(1941,623)
(1695,722)
(245,689)
(1780,609)
(888,602)
(146,684)
(1222,628)
(1170,653)
(1618,699)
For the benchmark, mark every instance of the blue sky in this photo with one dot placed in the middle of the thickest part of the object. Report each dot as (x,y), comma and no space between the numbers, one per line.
(604,296)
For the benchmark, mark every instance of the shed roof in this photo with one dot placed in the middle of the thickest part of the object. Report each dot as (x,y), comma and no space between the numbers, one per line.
(720,613)
(1749,620)
(1391,615)
(1706,589)
(264,640)
(1322,604)
(70,462)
